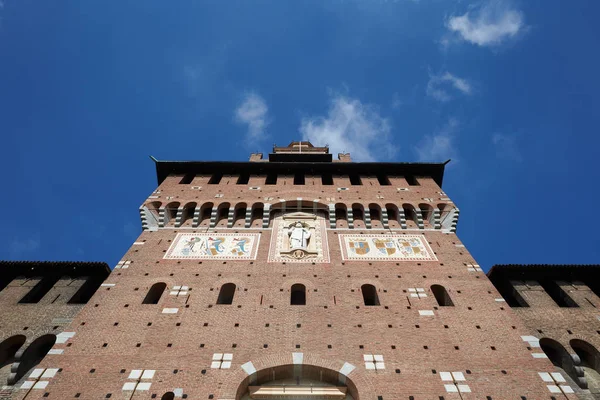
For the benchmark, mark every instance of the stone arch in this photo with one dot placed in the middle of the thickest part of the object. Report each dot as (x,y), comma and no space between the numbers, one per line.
(8,349)
(171,213)
(222,214)
(28,358)
(257,215)
(376,219)
(589,363)
(239,215)
(370,296)
(187,217)
(154,208)
(393,216)
(561,359)
(427,214)
(411,216)
(261,370)
(358,214)
(341,216)
(205,213)
(168,396)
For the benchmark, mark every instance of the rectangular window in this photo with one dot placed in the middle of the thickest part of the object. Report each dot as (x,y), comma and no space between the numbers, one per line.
(271,179)
(412,181)
(187,178)
(383,180)
(243,179)
(355,179)
(299,178)
(326,179)
(215,179)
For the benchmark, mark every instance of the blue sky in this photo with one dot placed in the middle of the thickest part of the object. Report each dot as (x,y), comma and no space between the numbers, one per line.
(509,90)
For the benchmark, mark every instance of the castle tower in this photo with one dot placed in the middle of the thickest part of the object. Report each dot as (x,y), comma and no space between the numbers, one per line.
(296,276)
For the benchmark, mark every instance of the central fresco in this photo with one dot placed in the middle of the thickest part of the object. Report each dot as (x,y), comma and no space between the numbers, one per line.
(214,246)
(386,248)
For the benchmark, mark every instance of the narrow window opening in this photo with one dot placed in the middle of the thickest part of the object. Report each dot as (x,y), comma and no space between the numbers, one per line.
(155,293)
(326,179)
(441,296)
(243,179)
(271,179)
(412,181)
(355,180)
(299,178)
(226,294)
(383,180)
(215,179)
(298,295)
(187,178)
(370,296)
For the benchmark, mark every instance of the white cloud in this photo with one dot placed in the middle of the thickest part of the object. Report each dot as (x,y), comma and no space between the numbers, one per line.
(439,85)
(351,127)
(439,146)
(253,112)
(488,24)
(506,147)
(20,247)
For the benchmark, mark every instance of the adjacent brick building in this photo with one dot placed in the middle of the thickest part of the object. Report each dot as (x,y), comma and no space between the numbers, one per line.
(300,277)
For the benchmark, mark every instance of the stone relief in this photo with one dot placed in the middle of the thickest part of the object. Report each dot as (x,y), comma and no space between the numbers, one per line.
(299,237)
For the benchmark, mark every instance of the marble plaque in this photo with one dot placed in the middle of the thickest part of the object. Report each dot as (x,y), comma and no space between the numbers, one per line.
(386,248)
(214,246)
(299,237)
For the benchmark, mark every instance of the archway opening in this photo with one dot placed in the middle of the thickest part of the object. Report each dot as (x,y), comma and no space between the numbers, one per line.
(8,348)
(298,381)
(34,354)
(590,362)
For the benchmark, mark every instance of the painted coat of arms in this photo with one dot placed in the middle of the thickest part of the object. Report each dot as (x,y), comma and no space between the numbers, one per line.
(388,248)
(222,246)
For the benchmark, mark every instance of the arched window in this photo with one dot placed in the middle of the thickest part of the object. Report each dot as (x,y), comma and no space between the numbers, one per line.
(559,356)
(226,294)
(239,216)
(426,213)
(171,213)
(590,362)
(369,295)
(358,216)
(393,220)
(441,296)
(154,209)
(205,213)
(298,295)
(8,348)
(188,213)
(168,396)
(410,215)
(222,214)
(155,293)
(341,217)
(34,354)
(375,211)
(257,215)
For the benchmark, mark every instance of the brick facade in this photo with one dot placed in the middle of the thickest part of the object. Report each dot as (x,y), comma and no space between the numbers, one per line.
(412,345)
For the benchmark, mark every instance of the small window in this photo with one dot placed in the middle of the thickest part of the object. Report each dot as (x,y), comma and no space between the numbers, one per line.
(383,180)
(187,178)
(299,178)
(243,179)
(155,293)
(215,179)
(441,296)
(412,181)
(326,179)
(226,294)
(298,295)
(355,180)
(271,179)
(370,297)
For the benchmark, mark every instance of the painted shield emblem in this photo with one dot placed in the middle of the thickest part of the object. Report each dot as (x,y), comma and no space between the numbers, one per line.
(360,247)
(410,248)
(385,246)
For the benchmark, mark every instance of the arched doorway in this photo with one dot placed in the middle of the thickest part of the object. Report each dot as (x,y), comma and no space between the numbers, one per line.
(297,381)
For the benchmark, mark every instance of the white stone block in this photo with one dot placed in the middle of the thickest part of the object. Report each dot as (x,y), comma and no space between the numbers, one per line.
(529,338)
(426,313)
(148,374)
(226,365)
(464,389)
(368,357)
(135,374)
(176,287)
(173,292)
(420,289)
(183,293)
(378,357)
(178,392)
(369,365)
(228,356)
(567,389)
(558,377)
(185,288)
(500,300)
(446,376)
(36,373)
(545,377)
(539,355)
(458,376)
(412,289)
(215,364)
(56,351)
(298,358)
(347,368)
(40,385)
(27,384)
(170,310)
(380,365)
(107,285)
(217,356)
(451,388)
(414,295)
(49,373)
(249,368)
(553,389)
(143,386)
